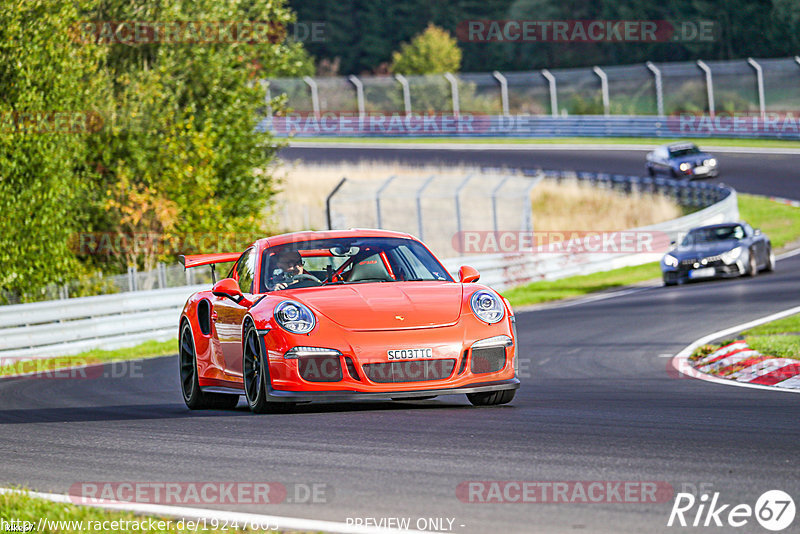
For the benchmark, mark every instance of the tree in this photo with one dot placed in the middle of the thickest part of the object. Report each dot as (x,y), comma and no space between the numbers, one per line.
(434,51)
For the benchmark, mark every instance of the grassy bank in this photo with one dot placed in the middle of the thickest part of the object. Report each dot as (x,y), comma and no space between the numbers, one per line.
(779,338)
(148,349)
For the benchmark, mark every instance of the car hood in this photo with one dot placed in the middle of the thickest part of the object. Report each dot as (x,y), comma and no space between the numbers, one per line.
(694,159)
(386,305)
(703,250)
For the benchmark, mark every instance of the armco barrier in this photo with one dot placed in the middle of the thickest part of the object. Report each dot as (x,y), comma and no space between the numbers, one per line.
(467,125)
(62,327)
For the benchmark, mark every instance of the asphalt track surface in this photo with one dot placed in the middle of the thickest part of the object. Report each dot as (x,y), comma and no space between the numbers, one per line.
(762,174)
(598,402)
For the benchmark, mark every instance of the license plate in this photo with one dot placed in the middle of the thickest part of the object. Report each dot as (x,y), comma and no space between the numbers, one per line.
(701,169)
(409,354)
(702,273)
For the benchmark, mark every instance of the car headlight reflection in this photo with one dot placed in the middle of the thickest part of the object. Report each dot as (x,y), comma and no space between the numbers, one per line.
(295,317)
(670,260)
(487,306)
(732,255)
(685,166)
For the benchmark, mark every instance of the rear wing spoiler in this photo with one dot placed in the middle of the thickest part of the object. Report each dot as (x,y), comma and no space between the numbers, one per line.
(196,260)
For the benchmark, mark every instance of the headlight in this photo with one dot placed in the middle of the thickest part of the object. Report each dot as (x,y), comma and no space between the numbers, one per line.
(710,162)
(294,317)
(685,166)
(732,255)
(670,260)
(487,306)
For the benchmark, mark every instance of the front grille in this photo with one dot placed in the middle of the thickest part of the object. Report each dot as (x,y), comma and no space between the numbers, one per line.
(410,371)
(488,360)
(320,368)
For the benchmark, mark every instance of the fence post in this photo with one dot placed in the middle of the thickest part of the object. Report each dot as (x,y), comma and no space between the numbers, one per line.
(458,205)
(503,92)
(494,201)
(709,85)
(314,94)
(453,92)
(659,88)
(406,92)
(419,205)
(328,202)
(553,96)
(760,81)
(362,108)
(603,90)
(378,199)
(132,282)
(162,275)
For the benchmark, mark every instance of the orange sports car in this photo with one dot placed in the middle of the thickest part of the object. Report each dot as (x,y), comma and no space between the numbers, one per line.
(352,314)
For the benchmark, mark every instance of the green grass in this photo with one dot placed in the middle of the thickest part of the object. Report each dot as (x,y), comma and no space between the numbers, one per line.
(779,338)
(576,286)
(779,221)
(23,507)
(758,143)
(148,349)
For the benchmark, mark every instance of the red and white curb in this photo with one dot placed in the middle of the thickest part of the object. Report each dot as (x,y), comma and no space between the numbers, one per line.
(750,368)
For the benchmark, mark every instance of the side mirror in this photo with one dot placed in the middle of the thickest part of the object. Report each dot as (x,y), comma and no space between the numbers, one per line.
(229,288)
(757,231)
(467,274)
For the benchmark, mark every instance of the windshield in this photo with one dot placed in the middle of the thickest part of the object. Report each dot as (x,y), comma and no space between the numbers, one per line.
(710,235)
(348,261)
(678,152)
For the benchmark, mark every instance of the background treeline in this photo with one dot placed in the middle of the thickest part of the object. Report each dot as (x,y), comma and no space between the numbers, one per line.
(363,33)
(171,149)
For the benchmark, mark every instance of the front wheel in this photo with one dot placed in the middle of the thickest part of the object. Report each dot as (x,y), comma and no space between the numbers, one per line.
(492,398)
(770,261)
(752,264)
(193,396)
(256,376)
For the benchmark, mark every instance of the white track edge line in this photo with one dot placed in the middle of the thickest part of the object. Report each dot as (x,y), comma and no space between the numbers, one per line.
(680,361)
(289,523)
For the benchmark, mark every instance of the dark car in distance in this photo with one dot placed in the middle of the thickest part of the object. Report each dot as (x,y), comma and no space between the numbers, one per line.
(681,160)
(718,251)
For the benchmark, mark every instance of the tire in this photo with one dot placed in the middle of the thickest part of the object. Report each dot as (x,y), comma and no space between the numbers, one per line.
(193,396)
(770,267)
(651,172)
(492,398)
(752,265)
(668,284)
(256,376)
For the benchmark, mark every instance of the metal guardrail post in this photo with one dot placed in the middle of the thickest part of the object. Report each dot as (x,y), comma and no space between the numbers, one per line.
(328,202)
(378,199)
(132,282)
(458,203)
(503,92)
(453,92)
(709,85)
(314,94)
(603,90)
(553,96)
(494,201)
(362,107)
(760,81)
(420,225)
(406,92)
(659,87)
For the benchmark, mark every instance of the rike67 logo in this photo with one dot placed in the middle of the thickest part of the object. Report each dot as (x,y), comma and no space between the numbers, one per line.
(774,510)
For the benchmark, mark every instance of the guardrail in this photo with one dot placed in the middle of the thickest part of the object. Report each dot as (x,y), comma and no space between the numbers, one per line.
(62,327)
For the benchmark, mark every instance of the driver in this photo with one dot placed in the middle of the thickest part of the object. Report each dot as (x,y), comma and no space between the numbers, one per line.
(290,269)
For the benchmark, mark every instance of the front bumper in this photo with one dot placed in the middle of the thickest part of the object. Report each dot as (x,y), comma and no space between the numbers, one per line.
(682,273)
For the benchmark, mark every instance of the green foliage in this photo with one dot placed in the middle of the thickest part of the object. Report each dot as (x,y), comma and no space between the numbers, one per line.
(779,221)
(434,51)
